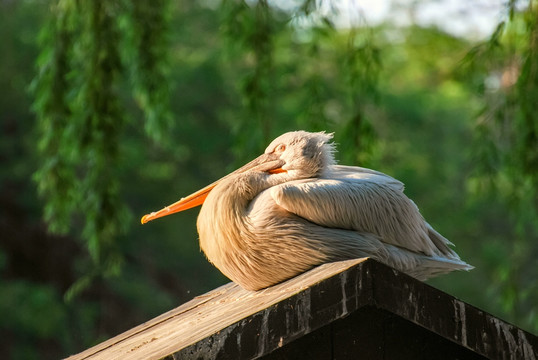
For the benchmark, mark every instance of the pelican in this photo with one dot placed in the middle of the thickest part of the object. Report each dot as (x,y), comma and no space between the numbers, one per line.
(293,208)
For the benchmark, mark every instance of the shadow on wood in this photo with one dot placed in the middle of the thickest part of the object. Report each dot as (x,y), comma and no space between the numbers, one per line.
(339,310)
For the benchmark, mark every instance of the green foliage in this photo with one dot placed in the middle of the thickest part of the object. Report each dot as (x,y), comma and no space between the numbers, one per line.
(146,57)
(507,150)
(331,73)
(401,100)
(82,118)
(250,33)
(51,93)
(362,65)
(39,313)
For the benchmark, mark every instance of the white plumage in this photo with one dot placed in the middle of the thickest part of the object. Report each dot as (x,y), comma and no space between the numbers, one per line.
(292,208)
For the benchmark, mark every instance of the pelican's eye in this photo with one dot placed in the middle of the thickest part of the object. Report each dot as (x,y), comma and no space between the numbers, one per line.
(280,148)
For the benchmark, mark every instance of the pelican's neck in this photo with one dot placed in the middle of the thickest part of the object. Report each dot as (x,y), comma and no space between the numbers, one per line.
(238,191)
(222,224)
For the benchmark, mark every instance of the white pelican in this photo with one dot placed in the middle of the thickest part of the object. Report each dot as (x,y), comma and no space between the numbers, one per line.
(293,208)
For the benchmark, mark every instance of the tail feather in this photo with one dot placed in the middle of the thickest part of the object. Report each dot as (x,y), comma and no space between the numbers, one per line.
(422,266)
(441,243)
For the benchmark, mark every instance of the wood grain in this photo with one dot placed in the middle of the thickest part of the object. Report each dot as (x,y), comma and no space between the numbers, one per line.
(204,315)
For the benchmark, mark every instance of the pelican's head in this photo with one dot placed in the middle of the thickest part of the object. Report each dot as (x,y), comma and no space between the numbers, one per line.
(303,154)
(298,154)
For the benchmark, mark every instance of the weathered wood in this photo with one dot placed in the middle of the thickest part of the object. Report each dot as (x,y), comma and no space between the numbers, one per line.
(372,334)
(337,310)
(203,316)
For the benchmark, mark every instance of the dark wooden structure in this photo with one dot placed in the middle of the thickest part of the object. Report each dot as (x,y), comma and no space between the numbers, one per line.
(358,309)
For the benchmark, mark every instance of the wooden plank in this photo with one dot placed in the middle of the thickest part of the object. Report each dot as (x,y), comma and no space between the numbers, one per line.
(204,316)
(319,308)
(292,319)
(449,317)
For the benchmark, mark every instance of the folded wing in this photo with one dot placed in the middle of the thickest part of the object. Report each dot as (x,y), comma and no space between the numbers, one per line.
(366,201)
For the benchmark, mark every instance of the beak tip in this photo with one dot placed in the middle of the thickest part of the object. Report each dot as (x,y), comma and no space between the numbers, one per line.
(143,220)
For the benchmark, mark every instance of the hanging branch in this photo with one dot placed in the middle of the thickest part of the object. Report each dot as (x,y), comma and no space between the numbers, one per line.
(81,117)
(145,54)
(506,144)
(250,29)
(362,66)
(56,176)
(527,94)
(99,119)
(316,85)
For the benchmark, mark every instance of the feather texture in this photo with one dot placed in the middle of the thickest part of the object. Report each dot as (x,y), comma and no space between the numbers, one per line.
(293,208)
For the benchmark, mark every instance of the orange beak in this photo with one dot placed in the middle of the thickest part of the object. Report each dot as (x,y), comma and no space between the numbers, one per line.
(193,200)
(266,162)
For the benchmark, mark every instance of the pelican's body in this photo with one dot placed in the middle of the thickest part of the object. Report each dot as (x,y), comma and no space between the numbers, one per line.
(293,208)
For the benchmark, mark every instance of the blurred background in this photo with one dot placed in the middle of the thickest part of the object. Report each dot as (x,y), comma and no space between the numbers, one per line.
(113,109)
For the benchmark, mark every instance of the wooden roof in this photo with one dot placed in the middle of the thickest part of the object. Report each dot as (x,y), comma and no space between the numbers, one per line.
(337,310)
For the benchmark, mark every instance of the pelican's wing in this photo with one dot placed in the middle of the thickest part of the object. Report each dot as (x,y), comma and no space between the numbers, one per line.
(367,202)
(355,172)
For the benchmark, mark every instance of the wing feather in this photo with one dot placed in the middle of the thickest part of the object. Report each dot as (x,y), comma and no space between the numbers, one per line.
(366,201)
(355,172)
